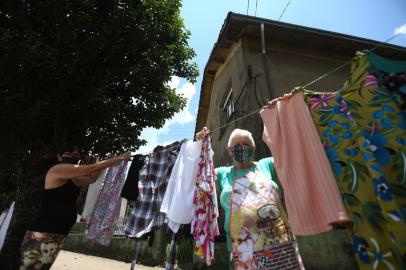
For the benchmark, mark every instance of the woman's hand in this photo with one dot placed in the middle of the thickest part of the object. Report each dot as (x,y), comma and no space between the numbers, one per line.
(126,156)
(200,135)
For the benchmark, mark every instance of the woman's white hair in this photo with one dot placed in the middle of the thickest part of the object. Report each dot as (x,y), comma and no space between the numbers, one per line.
(242,133)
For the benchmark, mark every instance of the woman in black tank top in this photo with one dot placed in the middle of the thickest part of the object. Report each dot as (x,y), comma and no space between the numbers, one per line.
(57,213)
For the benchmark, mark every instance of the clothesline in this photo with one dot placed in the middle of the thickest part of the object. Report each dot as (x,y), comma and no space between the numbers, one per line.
(308,84)
(303,87)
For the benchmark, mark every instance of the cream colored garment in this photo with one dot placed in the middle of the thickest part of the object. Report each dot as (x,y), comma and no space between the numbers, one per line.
(178,200)
(92,195)
(311,194)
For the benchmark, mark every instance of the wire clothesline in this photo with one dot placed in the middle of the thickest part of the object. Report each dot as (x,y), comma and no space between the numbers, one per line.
(308,84)
(305,86)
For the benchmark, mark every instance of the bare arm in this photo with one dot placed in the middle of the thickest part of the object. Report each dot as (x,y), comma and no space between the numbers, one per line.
(61,172)
(87,180)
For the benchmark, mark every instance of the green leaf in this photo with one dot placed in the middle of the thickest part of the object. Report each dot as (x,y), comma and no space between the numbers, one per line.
(378,100)
(357,219)
(350,199)
(325,118)
(373,214)
(382,92)
(387,130)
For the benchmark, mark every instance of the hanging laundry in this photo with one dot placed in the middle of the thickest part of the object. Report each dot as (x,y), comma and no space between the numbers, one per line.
(178,200)
(107,208)
(5,223)
(363,129)
(153,180)
(130,189)
(204,223)
(311,194)
(92,195)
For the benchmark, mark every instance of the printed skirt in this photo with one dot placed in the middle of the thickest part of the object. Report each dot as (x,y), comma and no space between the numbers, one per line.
(40,249)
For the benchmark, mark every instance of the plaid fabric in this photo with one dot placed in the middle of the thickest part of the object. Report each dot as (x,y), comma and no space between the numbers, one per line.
(154,176)
(170,264)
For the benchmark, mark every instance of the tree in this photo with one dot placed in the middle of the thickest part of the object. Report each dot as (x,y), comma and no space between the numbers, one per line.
(90,72)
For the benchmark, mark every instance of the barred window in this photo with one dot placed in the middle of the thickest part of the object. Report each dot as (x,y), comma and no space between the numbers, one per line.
(228,106)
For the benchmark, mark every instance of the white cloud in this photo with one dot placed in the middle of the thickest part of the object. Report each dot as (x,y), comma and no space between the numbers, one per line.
(183,117)
(401,30)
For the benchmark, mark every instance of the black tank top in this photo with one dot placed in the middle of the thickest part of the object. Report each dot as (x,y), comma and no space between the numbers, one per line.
(58,209)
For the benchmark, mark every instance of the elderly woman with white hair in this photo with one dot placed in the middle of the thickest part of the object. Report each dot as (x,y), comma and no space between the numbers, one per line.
(258,232)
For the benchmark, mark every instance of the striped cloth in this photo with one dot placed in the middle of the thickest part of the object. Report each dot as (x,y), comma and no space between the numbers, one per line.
(312,197)
(153,179)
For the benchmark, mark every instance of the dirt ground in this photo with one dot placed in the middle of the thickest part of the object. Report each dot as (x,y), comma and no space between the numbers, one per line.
(75,261)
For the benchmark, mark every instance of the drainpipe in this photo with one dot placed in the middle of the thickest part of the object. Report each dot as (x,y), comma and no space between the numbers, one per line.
(265,63)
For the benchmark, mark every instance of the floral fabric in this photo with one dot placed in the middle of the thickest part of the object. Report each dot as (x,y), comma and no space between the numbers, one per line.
(39,250)
(363,129)
(204,222)
(260,234)
(107,207)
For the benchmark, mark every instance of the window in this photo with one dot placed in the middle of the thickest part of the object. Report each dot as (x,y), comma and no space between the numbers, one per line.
(228,107)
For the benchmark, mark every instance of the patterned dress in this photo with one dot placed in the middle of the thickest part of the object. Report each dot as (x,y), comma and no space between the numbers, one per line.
(363,129)
(107,208)
(204,222)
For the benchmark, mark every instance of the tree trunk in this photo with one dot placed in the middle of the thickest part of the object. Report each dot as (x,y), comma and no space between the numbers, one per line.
(26,207)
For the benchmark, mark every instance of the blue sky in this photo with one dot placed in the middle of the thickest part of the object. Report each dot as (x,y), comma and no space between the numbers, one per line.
(372,19)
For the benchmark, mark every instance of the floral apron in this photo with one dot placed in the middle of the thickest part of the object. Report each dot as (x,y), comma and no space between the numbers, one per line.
(259,230)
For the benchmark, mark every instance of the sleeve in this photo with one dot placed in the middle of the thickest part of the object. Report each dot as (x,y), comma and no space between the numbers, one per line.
(268,168)
(220,176)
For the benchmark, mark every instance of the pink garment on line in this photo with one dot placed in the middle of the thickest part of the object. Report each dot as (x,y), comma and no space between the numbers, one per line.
(312,197)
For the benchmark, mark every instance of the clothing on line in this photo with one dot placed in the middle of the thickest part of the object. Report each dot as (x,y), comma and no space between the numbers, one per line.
(312,197)
(130,189)
(107,208)
(363,129)
(204,223)
(153,180)
(178,199)
(5,223)
(92,195)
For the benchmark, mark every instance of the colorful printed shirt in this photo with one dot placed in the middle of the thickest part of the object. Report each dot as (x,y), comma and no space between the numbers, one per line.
(363,129)
(204,222)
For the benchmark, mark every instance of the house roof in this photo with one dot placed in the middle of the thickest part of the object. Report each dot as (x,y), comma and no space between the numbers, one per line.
(237,26)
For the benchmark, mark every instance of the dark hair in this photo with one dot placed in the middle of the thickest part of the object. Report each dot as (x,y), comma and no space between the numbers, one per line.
(67,147)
